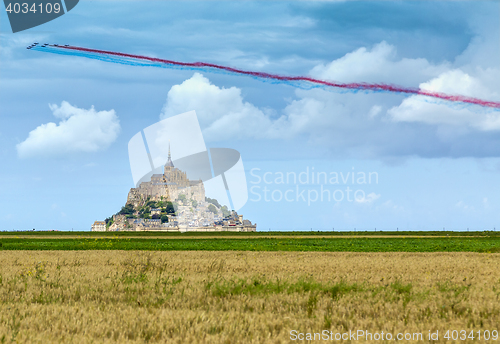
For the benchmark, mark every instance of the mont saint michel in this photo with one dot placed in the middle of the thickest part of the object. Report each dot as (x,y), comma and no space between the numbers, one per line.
(172,202)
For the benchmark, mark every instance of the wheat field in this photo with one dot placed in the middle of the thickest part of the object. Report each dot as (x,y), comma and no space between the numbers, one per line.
(241,297)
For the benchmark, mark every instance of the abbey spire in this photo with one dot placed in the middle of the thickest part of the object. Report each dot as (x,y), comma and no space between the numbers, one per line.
(169,161)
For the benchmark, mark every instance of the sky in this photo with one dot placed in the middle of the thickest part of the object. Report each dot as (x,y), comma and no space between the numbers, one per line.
(65,121)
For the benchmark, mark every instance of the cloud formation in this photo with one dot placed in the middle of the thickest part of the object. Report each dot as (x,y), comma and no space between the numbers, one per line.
(380,64)
(363,124)
(79,130)
(419,109)
(370,198)
(221,111)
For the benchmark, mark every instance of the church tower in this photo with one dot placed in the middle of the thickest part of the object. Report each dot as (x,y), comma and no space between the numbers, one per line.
(169,166)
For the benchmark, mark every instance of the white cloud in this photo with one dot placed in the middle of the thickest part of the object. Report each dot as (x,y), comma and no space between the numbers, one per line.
(464,207)
(379,65)
(457,81)
(486,203)
(370,198)
(483,50)
(375,111)
(223,114)
(221,111)
(391,206)
(79,130)
(422,109)
(362,124)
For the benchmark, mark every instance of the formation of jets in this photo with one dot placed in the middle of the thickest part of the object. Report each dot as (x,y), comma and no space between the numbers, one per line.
(45,45)
(31,46)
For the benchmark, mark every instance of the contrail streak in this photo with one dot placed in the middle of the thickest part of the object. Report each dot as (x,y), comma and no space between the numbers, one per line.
(297,81)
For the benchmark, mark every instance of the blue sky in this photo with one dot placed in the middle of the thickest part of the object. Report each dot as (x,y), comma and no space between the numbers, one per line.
(438,163)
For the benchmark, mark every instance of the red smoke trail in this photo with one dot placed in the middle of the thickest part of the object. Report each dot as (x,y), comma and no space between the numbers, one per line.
(353,86)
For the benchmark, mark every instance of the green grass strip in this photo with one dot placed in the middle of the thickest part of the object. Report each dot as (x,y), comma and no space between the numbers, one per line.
(450,244)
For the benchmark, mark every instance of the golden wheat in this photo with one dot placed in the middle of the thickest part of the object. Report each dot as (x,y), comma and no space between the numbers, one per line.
(240,297)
